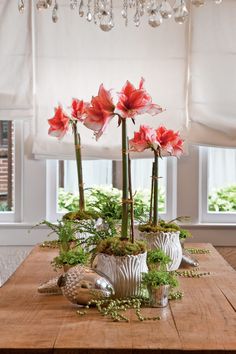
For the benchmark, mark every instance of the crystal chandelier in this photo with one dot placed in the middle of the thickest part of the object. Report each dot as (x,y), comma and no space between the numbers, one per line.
(101,12)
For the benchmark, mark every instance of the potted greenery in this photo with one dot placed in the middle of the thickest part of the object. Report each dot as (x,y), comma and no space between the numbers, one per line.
(70,252)
(157,260)
(157,233)
(158,284)
(121,258)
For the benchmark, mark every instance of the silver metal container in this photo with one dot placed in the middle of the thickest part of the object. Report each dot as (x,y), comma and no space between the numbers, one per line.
(82,284)
(158,297)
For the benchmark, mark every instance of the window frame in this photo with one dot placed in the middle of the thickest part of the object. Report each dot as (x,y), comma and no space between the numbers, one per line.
(16,214)
(205,215)
(52,190)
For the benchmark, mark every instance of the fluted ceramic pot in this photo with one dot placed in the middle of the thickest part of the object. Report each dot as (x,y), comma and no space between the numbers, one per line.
(125,272)
(168,242)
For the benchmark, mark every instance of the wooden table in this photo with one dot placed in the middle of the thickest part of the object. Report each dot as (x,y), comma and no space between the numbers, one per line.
(204,320)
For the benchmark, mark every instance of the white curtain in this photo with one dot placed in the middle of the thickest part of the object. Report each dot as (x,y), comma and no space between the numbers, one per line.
(212,89)
(73,57)
(16,83)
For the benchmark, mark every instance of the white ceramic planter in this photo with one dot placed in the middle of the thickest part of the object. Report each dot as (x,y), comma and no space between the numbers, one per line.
(166,241)
(125,273)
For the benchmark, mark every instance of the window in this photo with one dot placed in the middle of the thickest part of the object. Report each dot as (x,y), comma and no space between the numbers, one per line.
(6,166)
(107,173)
(141,175)
(218,184)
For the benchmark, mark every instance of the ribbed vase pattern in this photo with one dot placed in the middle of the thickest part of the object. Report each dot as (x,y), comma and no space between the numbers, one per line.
(168,242)
(124,272)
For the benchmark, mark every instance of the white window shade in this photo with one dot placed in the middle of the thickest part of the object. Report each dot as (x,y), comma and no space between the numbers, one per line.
(212,99)
(16,84)
(73,57)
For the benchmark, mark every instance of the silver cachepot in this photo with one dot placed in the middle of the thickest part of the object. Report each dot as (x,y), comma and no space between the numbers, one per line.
(158,297)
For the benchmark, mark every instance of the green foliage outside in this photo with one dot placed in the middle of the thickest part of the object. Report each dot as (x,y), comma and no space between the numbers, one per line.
(4,207)
(223,200)
(107,202)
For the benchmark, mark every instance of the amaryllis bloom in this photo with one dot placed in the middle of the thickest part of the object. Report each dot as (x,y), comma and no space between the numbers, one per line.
(59,124)
(134,101)
(169,141)
(100,112)
(79,109)
(145,138)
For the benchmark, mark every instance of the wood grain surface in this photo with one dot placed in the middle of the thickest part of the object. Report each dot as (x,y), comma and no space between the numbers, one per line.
(204,320)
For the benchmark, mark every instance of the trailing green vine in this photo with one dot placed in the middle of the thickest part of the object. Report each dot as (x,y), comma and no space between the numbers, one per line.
(198,250)
(191,273)
(114,309)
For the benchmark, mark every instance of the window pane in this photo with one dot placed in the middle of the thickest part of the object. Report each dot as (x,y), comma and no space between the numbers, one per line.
(221,180)
(6,165)
(95,173)
(141,178)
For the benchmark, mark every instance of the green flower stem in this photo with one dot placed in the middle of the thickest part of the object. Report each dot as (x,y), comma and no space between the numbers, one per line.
(125,182)
(151,197)
(77,144)
(132,202)
(155,186)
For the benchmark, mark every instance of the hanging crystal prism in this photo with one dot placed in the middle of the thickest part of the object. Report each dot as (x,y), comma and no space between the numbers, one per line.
(155,19)
(181,13)
(106,22)
(141,7)
(89,15)
(95,11)
(21,6)
(198,2)
(81,8)
(49,3)
(165,9)
(137,15)
(132,3)
(124,11)
(55,12)
(41,4)
(73,4)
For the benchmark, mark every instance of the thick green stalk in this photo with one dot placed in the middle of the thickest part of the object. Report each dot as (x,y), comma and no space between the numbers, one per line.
(125,182)
(77,143)
(155,186)
(132,203)
(151,196)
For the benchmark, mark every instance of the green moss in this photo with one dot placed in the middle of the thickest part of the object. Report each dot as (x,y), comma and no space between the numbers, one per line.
(157,257)
(72,257)
(117,247)
(81,215)
(164,226)
(156,278)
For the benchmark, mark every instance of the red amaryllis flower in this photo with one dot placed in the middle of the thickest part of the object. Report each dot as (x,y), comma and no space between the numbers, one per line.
(79,109)
(144,139)
(101,111)
(59,124)
(134,101)
(169,141)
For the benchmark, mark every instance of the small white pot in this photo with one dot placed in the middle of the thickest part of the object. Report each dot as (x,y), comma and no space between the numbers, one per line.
(125,272)
(166,241)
